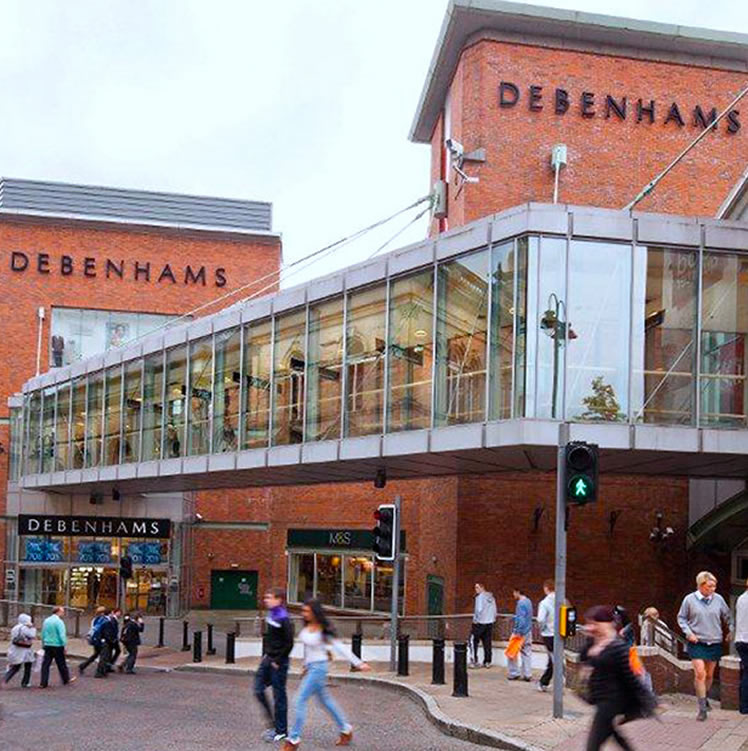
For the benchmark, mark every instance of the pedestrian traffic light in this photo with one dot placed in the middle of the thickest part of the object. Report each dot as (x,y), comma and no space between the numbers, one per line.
(384,533)
(568,625)
(581,472)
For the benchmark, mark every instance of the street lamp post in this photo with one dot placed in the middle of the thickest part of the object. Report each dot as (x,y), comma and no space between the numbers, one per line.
(553,325)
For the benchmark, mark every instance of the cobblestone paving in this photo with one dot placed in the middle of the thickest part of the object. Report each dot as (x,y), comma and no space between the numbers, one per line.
(160,711)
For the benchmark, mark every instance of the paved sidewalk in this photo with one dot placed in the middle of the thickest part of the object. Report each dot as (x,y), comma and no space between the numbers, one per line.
(497,712)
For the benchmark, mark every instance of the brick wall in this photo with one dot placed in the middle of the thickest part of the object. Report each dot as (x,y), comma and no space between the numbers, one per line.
(610,159)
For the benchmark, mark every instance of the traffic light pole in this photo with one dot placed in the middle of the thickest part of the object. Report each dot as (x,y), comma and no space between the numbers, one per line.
(560,575)
(395,589)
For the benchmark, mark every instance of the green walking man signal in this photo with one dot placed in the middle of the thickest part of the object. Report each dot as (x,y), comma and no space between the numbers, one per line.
(581,472)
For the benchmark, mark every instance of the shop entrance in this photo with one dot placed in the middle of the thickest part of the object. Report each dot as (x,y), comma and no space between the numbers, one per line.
(93,586)
(233,590)
(146,592)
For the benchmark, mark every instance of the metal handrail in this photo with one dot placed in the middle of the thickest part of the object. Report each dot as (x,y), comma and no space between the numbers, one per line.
(16,607)
(41,605)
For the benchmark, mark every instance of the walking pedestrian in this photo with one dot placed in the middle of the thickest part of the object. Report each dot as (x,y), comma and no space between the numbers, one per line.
(521,665)
(94,637)
(115,616)
(546,622)
(625,626)
(319,640)
(54,641)
(647,623)
(108,640)
(741,646)
(132,628)
(484,617)
(273,669)
(701,617)
(613,688)
(21,650)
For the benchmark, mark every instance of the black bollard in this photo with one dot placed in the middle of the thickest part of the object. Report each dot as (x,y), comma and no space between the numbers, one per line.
(230,642)
(160,632)
(461,674)
(356,646)
(437,663)
(402,654)
(197,646)
(185,636)
(211,650)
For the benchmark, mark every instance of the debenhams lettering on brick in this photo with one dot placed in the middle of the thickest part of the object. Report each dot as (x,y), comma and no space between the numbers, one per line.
(117,269)
(589,105)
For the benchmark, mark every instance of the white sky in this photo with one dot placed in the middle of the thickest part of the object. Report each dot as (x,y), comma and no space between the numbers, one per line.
(306,104)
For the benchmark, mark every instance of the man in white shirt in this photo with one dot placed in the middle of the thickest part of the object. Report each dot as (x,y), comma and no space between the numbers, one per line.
(741,645)
(546,621)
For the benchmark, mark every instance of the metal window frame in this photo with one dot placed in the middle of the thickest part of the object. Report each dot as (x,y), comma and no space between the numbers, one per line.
(211,406)
(696,411)
(271,400)
(632,286)
(434,330)
(305,386)
(385,424)
(488,413)
(342,429)
(515,307)
(142,409)
(162,436)
(243,396)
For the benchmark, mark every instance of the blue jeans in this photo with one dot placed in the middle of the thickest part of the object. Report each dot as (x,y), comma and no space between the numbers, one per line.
(266,676)
(315,683)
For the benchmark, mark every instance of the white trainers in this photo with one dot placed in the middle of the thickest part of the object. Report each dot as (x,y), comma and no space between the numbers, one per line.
(542,688)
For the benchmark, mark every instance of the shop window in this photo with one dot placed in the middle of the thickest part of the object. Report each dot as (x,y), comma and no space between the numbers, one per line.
(153,405)
(383,575)
(325,370)
(133,403)
(410,352)
(45,549)
(257,367)
(176,391)
(301,577)
(664,335)
(329,580)
(77,333)
(724,316)
(357,587)
(201,395)
(288,378)
(45,586)
(226,391)
(461,339)
(365,348)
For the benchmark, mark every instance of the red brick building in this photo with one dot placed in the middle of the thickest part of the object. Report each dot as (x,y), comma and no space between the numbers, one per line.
(506,85)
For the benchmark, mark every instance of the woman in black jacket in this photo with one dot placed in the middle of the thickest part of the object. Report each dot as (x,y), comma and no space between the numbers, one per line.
(613,687)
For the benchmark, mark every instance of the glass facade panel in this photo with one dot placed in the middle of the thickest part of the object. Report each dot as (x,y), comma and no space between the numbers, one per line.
(520,326)
(597,355)
(16,443)
(257,364)
(724,317)
(461,340)
(365,347)
(226,392)
(410,352)
(94,407)
(665,289)
(77,333)
(357,583)
(288,378)
(49,396)
(329,580)
(133,404)
(325,370)
(176,391)
(301,577)
(383,575)
(153,405)
(79,423)
(201,395)
(503,262)
(113,415)
(32,453)
(546,326)
(62,428)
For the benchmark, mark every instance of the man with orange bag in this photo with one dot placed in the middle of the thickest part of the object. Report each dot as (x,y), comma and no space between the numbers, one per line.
(520,664)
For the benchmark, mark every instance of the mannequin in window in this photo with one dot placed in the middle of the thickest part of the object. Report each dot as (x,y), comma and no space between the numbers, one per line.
(58,349)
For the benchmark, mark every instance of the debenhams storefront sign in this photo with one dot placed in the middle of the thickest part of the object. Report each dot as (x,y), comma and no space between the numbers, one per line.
(94,526)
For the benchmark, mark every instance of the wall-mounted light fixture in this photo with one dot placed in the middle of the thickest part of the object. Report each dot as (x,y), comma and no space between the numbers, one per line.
(537,515)
(613,520)
(658,533)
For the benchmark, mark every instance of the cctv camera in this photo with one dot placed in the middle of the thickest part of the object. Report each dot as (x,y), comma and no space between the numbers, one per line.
(199,517)
(455,147)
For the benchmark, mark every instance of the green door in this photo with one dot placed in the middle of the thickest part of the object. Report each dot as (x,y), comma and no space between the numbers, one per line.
(233,590)
(435,604)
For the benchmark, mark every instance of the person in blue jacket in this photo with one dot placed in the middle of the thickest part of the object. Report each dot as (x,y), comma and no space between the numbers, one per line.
(521,666)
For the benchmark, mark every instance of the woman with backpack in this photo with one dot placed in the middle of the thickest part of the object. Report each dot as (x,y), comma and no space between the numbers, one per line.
(21,649)
(319,640)
(93,637)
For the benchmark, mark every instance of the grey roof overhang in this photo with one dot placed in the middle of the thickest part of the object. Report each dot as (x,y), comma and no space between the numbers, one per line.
(466,19)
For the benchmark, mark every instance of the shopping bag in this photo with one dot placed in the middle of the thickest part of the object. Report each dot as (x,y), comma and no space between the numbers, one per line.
(635,663)
(38,657)
(514,646)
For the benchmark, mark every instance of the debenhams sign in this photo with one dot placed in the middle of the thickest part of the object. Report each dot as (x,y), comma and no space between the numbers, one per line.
(589,104)
(95,526)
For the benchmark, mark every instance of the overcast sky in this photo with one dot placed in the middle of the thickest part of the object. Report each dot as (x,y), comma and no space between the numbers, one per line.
(303,103)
